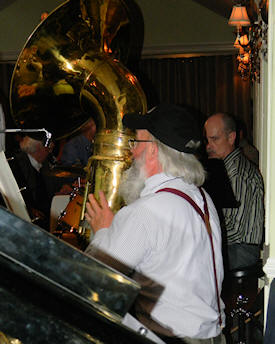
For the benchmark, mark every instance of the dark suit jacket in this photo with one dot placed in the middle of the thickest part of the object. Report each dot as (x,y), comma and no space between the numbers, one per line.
(36,195)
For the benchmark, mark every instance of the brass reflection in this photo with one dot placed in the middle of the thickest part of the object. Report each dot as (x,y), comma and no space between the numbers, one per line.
(73,67)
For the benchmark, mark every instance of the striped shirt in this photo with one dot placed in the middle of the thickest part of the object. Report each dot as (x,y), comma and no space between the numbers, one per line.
(244,224)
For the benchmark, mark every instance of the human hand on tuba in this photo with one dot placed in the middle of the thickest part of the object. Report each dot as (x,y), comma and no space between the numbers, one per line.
(98,214)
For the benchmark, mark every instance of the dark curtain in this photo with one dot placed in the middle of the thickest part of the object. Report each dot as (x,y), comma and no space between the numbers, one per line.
(6,70)
(208,84)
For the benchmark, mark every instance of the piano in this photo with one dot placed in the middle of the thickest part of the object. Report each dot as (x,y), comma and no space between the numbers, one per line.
(51,292)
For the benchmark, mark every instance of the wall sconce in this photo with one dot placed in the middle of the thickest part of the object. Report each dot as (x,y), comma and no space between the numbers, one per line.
(251,37)
(239,16)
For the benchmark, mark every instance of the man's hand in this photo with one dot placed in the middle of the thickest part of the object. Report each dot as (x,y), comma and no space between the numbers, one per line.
(37,214)
(98,214)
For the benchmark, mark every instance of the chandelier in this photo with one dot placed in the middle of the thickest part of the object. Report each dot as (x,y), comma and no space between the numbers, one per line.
(251,37)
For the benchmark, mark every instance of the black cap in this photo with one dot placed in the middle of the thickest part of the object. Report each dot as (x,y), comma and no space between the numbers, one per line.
(38,136)
(171,124)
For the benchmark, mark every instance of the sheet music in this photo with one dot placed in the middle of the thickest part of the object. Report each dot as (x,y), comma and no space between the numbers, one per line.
(10,190)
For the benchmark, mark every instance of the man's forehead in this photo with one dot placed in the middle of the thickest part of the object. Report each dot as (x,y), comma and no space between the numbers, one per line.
(142,133)
(214,123)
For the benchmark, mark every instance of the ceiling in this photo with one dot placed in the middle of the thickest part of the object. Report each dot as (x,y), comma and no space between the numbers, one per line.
(5,3)
(221,7)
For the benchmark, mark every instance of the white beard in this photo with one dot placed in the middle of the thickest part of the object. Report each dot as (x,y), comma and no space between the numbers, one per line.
(133,181)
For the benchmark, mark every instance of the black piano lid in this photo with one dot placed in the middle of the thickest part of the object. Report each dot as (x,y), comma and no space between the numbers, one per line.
(49,289)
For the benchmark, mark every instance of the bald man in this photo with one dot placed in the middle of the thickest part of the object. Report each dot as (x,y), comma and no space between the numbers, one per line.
(244,225)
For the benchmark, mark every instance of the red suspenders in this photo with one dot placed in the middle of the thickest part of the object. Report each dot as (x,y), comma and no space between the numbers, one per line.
(205,218)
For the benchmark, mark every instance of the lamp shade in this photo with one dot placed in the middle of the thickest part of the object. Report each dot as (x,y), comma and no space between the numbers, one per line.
(239,16)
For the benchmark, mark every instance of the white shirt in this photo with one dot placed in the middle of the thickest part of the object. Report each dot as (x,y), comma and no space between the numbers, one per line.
(161,236)
(35,164)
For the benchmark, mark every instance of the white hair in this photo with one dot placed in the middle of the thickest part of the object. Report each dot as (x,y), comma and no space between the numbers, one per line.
(180,164)
(133,180)
(30,145)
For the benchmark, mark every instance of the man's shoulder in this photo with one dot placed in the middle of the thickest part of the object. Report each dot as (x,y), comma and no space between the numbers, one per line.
(170,194)
(248,165)
(245,169)
(19,158)
(238,160)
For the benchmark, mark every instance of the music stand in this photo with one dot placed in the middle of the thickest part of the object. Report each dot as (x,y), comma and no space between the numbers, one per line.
(10,190)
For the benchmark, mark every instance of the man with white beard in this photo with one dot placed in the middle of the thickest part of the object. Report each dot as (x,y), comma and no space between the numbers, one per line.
(169,231)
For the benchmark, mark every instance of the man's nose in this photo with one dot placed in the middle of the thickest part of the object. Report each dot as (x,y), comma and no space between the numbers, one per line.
(208,146)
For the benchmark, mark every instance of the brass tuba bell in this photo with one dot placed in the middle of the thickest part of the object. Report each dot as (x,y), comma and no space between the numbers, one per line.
(71,68)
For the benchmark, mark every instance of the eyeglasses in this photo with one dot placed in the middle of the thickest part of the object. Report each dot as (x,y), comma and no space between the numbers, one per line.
(133,142)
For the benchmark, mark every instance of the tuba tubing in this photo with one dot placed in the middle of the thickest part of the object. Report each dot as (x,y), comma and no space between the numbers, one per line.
(111,154)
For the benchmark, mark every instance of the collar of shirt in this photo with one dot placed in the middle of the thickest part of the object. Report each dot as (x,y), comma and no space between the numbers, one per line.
(35,164)
(157,181)
(231,156)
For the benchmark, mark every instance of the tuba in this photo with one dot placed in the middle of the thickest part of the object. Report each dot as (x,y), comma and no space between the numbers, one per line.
(73,66)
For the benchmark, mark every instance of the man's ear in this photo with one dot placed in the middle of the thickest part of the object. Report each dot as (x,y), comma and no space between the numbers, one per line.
(154,149)
(152,161)
(232,137)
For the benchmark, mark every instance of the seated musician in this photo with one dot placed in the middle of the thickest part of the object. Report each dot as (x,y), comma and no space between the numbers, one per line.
(79,148)
(29,166)
(162,234)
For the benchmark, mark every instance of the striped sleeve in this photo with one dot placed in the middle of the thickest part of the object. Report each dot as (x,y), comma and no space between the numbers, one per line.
(245,224)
